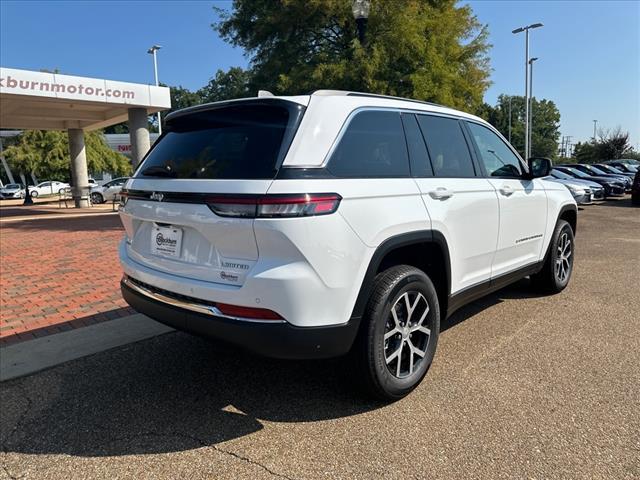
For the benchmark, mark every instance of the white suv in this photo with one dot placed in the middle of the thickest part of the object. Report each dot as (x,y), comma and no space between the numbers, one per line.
(338,222)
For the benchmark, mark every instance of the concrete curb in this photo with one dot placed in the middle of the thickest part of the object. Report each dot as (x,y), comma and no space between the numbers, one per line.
(34,355)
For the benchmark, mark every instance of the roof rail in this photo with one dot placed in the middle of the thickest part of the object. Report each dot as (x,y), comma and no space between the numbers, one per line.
(361,94)
(376,95)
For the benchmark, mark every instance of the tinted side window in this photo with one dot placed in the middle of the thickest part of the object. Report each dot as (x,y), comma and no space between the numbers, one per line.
(373,145)
(447,146)
(497,157)
(418,155)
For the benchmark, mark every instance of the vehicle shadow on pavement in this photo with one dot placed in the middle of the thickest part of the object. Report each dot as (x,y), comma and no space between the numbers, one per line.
(622,202)
(518,290)
(167,394)
(177,392)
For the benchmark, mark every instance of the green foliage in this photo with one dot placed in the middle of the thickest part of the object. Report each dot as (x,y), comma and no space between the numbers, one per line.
(182,98)
(610,145)
(546,123)
(46,154)
(428,50)
(234,83)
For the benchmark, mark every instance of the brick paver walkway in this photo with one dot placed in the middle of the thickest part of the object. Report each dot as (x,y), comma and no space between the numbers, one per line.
(58,274)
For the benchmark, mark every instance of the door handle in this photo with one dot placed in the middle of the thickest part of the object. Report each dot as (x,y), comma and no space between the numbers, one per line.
(506,190)
(441,193)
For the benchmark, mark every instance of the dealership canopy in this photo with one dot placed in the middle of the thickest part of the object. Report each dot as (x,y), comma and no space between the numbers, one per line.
(50,101)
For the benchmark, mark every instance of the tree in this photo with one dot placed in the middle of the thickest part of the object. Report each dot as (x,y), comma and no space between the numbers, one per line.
(234,83)
(45,153)
(546,124)
(612,145)
(422,49)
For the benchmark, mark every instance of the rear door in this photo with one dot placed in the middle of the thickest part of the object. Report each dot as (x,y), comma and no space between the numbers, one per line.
(462,205)
(209,159)
(523,202)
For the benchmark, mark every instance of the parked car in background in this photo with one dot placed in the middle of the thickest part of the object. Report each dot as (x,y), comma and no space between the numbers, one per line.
(612,188)
(594,171)
(613,170)
(597,190)
(12,190)
(50,187)
(626,165)
(635,190)
(108,191)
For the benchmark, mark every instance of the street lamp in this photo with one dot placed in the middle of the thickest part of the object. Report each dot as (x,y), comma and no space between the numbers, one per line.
(152,51)
(526,83)
(530,132)
(360,9)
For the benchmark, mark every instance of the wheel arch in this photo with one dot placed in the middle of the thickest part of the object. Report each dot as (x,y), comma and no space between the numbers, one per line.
(424,249)
(569,213)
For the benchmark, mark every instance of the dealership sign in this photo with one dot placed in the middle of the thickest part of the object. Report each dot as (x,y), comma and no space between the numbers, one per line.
(54,85)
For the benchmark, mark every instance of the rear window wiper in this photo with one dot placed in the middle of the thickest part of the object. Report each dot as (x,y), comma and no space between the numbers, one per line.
(157,171)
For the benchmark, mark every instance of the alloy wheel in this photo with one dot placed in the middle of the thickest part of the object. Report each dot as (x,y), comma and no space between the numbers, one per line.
(564,259)
(406,336)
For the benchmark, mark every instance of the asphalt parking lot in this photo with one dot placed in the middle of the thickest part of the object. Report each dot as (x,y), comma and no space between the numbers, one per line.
(523,386)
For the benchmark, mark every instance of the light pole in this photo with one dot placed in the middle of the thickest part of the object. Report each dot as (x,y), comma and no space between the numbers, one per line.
(526,82)
(510,97)
(360,10)
(152,51)
(595,126)
(530,133)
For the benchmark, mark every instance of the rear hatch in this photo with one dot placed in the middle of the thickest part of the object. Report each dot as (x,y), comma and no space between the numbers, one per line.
(205,156)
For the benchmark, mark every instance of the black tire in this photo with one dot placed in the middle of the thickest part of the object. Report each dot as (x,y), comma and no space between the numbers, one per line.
(34,194)
(549,280)
(97,198)
(371,350)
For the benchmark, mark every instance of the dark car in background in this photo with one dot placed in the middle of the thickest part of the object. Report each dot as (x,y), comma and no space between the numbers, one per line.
(613,170)
(626,165)
(635,190)
(596,172)
(612,187)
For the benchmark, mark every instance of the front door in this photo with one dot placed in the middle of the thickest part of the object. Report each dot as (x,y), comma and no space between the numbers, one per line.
(523,203)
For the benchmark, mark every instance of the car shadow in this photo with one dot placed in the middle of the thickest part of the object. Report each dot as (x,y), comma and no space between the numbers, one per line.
(618,202)
(178,392)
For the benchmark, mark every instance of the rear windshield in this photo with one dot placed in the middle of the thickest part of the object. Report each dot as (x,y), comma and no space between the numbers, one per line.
(245,141)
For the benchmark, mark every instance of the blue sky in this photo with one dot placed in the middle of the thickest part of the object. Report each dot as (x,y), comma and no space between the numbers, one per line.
(589,50)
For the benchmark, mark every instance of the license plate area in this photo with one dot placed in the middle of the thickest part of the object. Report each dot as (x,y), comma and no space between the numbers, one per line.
(166,241)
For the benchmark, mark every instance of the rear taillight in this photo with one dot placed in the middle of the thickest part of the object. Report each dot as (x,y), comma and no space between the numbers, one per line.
(274,206)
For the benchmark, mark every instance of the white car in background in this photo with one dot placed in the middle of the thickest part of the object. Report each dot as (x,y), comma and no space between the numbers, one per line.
(108,191)
(12,190)
(50,187)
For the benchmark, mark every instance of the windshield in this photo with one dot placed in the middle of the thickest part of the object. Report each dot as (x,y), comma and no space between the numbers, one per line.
(241,141)
(610,169)
(598,171)
(632,168)
(558,174)
(13,186)
(576,172)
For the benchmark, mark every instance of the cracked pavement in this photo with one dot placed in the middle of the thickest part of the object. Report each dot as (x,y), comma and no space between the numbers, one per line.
(522,386)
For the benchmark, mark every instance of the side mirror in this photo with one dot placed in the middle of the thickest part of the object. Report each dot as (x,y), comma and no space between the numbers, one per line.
(539,167)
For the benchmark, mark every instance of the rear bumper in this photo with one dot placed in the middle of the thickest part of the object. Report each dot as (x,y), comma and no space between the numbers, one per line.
(271,339)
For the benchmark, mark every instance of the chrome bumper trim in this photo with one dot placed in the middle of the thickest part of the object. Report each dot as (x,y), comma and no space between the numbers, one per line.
(191,306)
